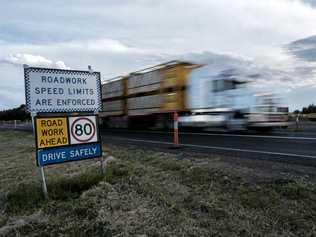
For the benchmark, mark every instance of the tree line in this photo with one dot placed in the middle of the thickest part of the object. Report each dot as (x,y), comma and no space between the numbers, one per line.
(307,110)
(18,113)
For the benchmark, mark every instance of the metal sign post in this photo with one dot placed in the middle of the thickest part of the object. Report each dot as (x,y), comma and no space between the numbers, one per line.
(44,186)
(44,182)
(102,167)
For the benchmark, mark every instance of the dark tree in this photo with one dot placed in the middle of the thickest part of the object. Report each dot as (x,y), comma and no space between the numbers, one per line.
(18,113)
(310,109)
(296,111)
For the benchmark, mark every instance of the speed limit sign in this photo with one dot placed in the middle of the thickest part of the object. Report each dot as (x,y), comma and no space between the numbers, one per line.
(83,129)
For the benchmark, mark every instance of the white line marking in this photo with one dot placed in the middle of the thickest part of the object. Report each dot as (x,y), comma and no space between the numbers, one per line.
(215,147)
(251,136)
(229,135)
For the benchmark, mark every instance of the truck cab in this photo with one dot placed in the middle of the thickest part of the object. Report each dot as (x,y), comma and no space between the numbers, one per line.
(229,101)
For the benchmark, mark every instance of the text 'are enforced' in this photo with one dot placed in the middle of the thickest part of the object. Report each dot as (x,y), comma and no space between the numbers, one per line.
(54,90)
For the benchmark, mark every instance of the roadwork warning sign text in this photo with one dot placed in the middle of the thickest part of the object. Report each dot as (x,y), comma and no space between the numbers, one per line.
(52,132)
(65,139)
(57,90)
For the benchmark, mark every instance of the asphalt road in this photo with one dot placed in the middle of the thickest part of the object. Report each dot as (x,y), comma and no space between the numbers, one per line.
(288,145)
(283,145)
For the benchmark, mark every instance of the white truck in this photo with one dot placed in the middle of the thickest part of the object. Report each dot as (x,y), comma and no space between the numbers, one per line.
(202,97)
(230,101)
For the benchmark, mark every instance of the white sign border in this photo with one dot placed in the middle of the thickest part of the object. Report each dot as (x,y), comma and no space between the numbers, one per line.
(56,71)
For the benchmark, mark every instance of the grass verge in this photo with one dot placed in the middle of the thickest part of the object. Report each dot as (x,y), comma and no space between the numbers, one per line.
(146,193)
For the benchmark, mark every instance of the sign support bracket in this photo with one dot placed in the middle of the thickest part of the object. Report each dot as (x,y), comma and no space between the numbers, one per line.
(44,186)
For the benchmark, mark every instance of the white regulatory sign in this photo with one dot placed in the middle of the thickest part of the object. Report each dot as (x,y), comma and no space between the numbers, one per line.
(83,129)
(55,90)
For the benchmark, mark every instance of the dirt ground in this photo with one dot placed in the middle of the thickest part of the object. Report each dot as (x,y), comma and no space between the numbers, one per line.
(153,193)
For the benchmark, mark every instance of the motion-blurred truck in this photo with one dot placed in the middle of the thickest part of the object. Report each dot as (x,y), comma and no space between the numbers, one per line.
(149,97)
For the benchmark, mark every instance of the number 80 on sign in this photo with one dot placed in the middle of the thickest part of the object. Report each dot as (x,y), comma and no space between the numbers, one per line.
(83,129)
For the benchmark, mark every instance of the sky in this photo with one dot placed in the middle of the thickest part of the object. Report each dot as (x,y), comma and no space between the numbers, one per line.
(117,37)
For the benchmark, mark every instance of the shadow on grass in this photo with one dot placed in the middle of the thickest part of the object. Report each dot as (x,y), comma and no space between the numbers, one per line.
(29,196)
(65,188)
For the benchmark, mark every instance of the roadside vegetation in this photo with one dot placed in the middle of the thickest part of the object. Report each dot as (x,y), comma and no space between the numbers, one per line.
(18,113)
(149,193)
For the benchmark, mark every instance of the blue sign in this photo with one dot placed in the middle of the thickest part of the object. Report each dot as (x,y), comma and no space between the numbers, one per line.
(69,153)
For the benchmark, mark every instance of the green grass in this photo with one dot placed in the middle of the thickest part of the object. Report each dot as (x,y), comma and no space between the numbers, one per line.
(146,193)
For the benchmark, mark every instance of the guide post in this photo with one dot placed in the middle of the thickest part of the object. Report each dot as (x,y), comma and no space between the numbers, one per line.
(175,130)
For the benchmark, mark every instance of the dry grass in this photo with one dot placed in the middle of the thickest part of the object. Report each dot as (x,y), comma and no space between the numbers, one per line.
(146,193)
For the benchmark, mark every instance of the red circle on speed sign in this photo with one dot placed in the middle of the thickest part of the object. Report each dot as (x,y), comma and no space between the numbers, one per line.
(75,136)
